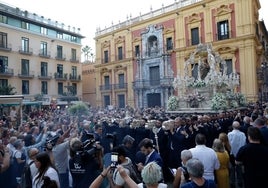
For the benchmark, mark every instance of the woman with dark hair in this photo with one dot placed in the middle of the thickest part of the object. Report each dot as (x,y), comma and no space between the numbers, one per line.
(45,168)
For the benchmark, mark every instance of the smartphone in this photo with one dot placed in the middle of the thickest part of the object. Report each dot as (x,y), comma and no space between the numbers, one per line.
(114,159)
(173,171)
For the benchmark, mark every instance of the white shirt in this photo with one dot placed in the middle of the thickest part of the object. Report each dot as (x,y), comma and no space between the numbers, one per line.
(51,173)
(237,139)
(160,185)
(209,159)
(117,179)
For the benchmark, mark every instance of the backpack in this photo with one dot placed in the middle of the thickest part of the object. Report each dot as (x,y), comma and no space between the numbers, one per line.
(26,177)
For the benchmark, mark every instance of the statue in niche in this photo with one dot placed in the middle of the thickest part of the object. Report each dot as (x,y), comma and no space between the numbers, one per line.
(204,68)
(154,48)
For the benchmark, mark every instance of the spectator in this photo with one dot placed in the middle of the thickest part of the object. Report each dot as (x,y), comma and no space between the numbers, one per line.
(4,158)
(151,176)
(127,143)
(182,175)
(195,169)
(254,157)
(222,174)
(45,168)
(261,124)
(206,155)
(125,162)
(237,139)
(147,148)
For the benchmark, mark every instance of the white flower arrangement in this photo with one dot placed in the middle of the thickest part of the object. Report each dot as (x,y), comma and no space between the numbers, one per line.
(173,103)
(197,84)
(219,102)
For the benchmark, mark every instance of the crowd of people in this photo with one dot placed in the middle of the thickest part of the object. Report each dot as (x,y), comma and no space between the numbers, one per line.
(134,148)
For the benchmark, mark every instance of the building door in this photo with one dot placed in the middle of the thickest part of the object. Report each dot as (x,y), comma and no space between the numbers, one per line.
(154,76)
(154,99)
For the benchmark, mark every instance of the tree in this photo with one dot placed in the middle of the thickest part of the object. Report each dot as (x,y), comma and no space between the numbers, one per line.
(87,51)
(7,90)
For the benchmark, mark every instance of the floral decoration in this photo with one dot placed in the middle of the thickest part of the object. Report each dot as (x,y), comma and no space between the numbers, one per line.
(173,103)
(194,99)
(219,102)
(197,84)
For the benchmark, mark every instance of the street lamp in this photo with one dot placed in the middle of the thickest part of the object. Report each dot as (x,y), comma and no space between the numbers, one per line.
(264,67)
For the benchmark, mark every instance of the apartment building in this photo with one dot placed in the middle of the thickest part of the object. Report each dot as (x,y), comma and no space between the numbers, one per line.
(39,55)
(137,60)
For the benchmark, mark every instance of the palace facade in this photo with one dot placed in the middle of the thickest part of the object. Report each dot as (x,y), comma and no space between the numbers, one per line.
(137,60)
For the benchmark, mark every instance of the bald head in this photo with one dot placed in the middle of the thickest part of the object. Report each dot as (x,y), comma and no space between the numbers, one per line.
(236,125)
(32,153)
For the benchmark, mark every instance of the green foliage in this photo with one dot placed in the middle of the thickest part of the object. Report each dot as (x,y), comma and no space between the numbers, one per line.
(173,103)
(197,84)
(38,97)
(79,109)
(7,90)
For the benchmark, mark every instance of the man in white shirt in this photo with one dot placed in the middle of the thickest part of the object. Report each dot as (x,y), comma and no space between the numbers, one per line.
(206,155)
(237,139)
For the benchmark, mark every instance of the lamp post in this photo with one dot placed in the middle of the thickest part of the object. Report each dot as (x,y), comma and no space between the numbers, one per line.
(264,67)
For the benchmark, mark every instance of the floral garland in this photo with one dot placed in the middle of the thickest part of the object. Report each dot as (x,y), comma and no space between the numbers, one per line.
(197,84)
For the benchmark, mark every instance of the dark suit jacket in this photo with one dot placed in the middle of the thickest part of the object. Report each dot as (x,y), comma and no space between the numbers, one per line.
(156,158)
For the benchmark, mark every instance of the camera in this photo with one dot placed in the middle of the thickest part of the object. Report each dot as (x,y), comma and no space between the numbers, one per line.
(114,159)
(51,141)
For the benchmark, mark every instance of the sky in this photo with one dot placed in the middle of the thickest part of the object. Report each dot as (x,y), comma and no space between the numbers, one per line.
(88,15)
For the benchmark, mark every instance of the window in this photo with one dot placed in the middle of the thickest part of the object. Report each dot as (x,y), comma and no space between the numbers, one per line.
(73,39)
(106,56)
(121,101)
(25,67)
(43,48)
(137,51)
(195,36)
(154,76)
(25,25)
(3,64)
(169,43)
(3,82)
(120,53)
(44,87)
(223,30)
(24,44)
(74,72)
(43,31)
(59,52)
(3,40)
(229,66)
(60,88)
(3,19)
(74,89)
(44,69)
(59,35)
(106,100)
(60,71)
(107,82)
(121,80)
(73,52)
(25,87)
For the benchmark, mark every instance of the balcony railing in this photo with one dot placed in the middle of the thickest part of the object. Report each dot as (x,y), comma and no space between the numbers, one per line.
(26,74)
(45,76)
(26,51)
(147,84)
(106,87)
(6,72)
(74,60)
(120,86)
(59,76)
(75,78)
(5,47)
(60,57)
(44,54)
